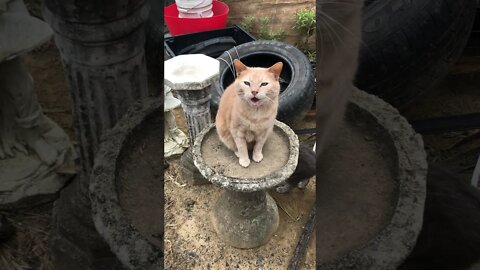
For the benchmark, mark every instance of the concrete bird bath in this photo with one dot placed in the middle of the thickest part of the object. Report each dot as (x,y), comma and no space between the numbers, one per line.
(245,216)
(372,179)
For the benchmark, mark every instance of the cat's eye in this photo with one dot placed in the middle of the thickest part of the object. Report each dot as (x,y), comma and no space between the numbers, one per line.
(246,83)
(264,84)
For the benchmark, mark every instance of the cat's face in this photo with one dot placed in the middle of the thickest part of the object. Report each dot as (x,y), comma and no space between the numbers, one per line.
(258,87)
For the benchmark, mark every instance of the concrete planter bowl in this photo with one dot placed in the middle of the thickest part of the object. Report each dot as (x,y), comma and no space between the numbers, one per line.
(127,207)
(371,186)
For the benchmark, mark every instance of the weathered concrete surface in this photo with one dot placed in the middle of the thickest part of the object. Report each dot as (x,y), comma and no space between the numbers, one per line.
(369,216)
(133,249)
(104,63)
(245,219)
(272,179)
(190,72)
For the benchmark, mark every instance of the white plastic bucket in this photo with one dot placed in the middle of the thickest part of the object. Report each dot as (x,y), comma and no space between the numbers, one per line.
(194,8)
(189,4)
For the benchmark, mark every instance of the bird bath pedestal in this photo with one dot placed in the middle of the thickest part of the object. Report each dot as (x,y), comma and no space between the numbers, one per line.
(190,77)
(245,216)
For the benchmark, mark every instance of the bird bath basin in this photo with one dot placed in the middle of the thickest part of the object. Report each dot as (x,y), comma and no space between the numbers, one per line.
(245,216)
(370,196)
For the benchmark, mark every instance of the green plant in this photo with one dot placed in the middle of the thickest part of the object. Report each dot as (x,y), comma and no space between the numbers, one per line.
(305,21)
(261,27)
(312,55)
(266,33)
(247,23)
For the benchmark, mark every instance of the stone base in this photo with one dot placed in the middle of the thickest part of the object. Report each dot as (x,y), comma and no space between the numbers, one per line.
(27,181)
(190,173)
(245,220)
(74,242)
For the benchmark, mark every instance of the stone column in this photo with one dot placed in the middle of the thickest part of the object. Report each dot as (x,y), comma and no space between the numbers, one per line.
(101,45)
(190,77)
(196,106)
(245,219)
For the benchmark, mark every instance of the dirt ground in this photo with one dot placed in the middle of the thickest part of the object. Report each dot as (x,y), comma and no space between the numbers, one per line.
(191,242)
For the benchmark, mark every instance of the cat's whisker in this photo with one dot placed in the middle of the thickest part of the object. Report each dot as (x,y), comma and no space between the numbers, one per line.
(339,24)
(271,100)
(319,48)
(328,29)
(359,38)
(332,31)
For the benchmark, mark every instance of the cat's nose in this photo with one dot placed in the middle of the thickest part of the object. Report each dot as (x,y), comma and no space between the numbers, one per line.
(254,93)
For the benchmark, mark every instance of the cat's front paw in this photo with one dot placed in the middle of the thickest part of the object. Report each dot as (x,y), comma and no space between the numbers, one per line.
(244,162)
(285,188)
(257,157)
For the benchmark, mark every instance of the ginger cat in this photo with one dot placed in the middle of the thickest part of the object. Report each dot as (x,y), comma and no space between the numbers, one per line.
(247,110)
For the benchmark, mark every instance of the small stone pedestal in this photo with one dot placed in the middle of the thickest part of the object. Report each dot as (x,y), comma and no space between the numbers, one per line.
(190,77)
(245,216)
(174,140)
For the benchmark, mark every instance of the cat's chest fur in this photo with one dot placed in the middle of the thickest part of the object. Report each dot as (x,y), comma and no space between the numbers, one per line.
(250,128)
(254,124)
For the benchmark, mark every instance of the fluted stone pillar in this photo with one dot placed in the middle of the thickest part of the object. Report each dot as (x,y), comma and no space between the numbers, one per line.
(196,107)
(102,49)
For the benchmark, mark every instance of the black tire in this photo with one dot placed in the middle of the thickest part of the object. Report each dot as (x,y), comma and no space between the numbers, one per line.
(409,46)
(297,91)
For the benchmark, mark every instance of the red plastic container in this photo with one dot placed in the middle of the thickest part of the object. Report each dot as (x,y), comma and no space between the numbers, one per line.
(180,26)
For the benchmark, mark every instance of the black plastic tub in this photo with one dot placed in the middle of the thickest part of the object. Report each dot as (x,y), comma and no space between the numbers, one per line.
(212,43)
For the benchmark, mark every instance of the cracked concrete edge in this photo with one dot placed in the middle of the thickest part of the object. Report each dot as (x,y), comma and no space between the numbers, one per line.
(130,247)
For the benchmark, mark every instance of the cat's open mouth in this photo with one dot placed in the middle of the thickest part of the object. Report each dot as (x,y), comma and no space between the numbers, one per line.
(254,100)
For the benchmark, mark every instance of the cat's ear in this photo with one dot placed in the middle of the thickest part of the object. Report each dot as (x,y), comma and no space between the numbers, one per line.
(239,66)
(276,70)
